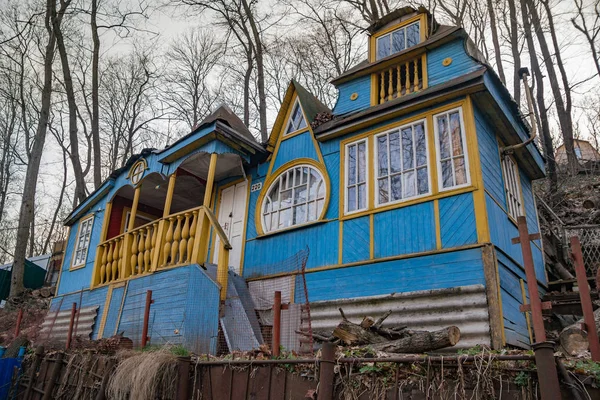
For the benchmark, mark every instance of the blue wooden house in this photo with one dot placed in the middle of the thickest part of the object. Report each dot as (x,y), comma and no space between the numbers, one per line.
(402,193)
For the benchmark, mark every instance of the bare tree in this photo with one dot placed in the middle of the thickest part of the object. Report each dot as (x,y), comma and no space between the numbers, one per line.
(495,40)
(591,30)
(52,18)
(191,60)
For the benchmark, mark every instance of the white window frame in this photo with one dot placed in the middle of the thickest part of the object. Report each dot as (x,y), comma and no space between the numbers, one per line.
(367,175)
(291,119)
(291,207)
(88,240)
(512,188)
(438,154)
(404,28)
(376,164)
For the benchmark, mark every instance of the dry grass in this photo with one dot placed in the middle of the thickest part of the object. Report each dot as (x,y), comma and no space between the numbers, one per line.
(144,376)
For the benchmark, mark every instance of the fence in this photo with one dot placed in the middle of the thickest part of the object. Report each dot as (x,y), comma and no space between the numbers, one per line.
(57,375)
(589,236)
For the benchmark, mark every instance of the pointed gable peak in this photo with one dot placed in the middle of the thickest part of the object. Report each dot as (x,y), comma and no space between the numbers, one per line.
(224,114)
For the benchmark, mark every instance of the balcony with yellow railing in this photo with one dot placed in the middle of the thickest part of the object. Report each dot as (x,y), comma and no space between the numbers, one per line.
(164,243)
(400,79)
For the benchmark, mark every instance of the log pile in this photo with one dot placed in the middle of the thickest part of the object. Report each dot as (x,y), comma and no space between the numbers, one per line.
(397,339)
(574,340)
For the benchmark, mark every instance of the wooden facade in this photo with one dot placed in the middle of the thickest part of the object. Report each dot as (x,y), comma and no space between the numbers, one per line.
(447,228)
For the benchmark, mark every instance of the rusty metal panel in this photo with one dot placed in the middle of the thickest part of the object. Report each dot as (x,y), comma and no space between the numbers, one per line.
(56,326)
(463,306)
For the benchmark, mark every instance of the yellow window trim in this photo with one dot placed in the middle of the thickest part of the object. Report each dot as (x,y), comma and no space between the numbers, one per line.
(288,114)
(423,30)
(271,178)
(471,150)
(74,267)
(133,167)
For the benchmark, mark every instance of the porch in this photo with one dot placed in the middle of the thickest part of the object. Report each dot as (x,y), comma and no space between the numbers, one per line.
(164,222)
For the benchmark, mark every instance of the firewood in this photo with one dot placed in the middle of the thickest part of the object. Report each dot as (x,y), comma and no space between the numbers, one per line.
(354,335)
(367,322)
(379,322)
(574,340)
(421,341)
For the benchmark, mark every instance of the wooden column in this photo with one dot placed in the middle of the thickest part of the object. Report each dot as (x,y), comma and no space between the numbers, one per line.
(205,225)
(160,235)
(170,191)
(128,238)
(134,207)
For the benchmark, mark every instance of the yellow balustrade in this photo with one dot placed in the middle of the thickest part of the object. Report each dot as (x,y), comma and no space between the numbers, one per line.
(167,242)
(402,79)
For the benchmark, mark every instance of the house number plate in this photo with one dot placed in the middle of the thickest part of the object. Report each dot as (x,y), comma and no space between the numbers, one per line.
(256,187)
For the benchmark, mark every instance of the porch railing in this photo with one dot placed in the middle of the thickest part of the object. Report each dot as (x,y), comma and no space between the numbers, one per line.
(401,79)
(178,239)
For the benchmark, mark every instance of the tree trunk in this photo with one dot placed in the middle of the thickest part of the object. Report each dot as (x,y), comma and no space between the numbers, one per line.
(33,167)
(514,46)
(95,101)
(260,70)
(539,80)
(564,115)
(494,29)
(70,92)
(574,340)
(421,341)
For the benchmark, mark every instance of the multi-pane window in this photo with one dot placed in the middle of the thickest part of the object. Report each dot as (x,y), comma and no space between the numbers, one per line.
(296,121)
(296,197)
(512,187)
(453,165)
(398,40)
(82,242)
(356,176)
(401,163)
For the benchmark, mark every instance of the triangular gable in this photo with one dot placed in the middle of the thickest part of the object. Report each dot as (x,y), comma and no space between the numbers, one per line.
(296,120)
(309,104)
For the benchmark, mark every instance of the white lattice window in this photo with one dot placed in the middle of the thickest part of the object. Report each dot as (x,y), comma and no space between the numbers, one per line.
(398,40)
(453,163)
(82,242)
(296,120)
(297,196)
(512,187)
(401,164)
(356,176)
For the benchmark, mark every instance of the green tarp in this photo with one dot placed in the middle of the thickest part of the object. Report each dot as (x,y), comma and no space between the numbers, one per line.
(34,278)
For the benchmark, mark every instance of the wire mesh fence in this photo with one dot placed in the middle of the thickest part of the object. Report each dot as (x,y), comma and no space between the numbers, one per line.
(589,236)
(248,319)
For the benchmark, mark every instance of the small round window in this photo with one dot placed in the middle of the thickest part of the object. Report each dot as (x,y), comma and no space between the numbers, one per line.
(297,196)
(137,171)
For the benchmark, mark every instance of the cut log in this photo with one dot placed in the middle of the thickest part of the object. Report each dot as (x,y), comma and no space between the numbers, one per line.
(421,341)
(355,335)
(45,292)
(574,340)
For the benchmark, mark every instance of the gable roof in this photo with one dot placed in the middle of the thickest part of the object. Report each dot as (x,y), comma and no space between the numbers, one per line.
(224,113)
(309,103)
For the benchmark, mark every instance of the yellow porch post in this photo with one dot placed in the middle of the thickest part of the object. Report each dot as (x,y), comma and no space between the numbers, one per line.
(99,250)
(205,229)
(158,247)
(127,240)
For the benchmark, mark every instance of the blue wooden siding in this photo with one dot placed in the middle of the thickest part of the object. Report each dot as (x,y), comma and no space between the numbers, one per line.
(436,271)
(360,86)
(253,208)
(515,324)
(112,315)
(504,101)
(489,156)
(88,298)
(201,324)
(457,220)
(332,163)
(462,63)
(78,279)
(502,230)
(356,243)
(263,255)
(299,146)
(404,230)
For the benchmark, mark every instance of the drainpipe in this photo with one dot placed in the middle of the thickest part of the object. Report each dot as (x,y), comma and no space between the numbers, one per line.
(524,73)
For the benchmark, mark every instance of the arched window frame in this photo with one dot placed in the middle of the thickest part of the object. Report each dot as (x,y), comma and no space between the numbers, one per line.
(275,178)
(133,173)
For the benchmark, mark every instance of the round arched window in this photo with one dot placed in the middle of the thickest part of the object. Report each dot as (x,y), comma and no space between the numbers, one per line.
(137,171)
(295,197)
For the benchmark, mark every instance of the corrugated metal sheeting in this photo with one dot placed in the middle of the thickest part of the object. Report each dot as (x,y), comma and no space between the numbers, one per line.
(56,325)
(463,306)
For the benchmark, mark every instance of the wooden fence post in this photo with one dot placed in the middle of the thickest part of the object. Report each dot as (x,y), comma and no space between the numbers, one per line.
(183,369)
(149,301)
(58,363)
(39,355)
(326,372)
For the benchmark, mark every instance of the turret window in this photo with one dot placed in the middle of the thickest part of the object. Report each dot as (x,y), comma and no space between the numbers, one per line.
(398,40)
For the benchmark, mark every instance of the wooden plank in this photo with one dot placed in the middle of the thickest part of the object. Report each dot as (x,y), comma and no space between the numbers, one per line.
(239,389)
